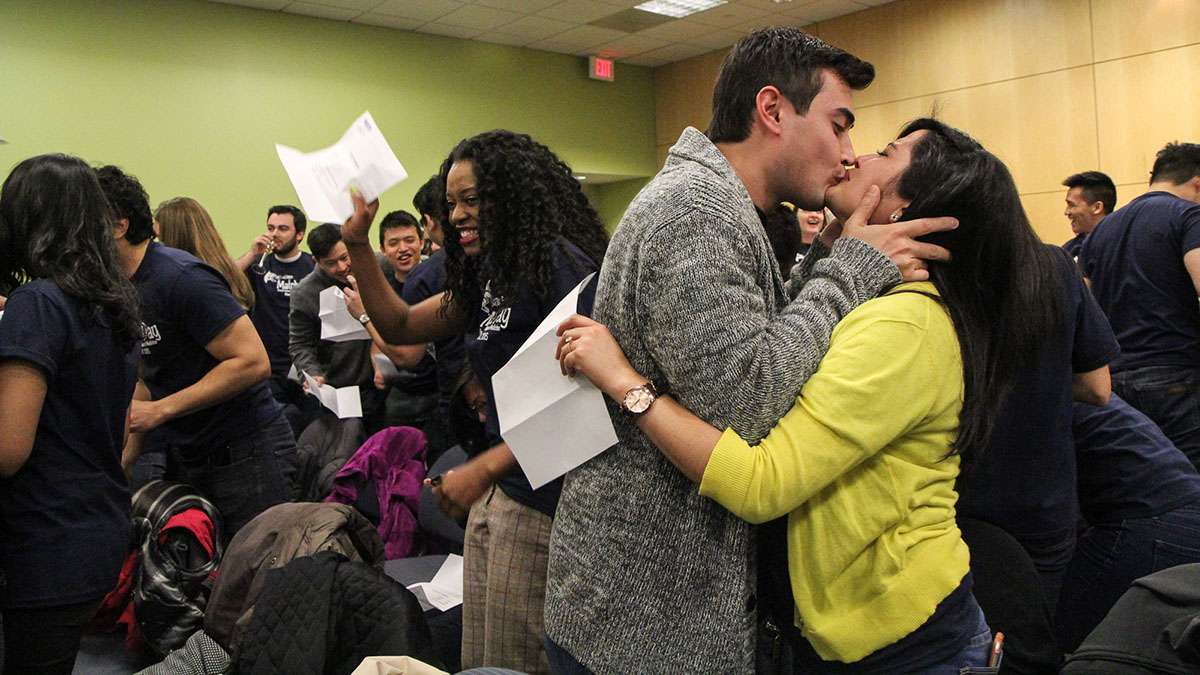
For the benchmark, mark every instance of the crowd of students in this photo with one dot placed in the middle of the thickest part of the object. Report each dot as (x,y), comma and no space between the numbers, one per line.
(839,443)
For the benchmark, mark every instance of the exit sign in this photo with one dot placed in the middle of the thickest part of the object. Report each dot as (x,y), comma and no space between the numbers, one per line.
(600,69)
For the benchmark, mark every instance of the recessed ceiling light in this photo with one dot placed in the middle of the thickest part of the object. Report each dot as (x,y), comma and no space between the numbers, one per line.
(580,177)
(678,8)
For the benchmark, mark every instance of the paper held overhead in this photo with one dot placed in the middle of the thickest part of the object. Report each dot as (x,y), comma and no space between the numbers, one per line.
(362,160)
(536,403)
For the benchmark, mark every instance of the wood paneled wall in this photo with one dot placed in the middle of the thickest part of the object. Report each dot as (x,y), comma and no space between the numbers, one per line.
(1051,86)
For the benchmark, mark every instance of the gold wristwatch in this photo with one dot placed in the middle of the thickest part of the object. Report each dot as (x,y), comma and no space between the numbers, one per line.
(638,399)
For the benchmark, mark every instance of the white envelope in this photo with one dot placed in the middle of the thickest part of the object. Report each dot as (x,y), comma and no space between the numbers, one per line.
(536,404)
(336,323)
(384,365)
(345,402)
(361,159)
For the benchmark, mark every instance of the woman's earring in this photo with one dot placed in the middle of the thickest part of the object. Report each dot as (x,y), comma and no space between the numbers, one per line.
(895,215)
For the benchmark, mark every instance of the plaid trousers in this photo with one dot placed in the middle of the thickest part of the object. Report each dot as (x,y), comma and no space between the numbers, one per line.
(505,553)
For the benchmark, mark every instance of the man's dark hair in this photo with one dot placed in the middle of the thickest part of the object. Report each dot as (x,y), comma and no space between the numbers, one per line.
(1096,187)
(297,215)
(399,219)
(430,200)
(785,57)
(1177,163)
(323,238)
(128,199)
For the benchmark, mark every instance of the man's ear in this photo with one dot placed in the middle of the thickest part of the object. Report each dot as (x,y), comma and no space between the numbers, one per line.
(1097,208)
(299,236)
(768,108)
(121,228)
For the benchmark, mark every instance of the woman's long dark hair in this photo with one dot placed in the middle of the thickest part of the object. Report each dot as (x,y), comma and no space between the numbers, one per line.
(55,224)
(528,198)
(1002,288)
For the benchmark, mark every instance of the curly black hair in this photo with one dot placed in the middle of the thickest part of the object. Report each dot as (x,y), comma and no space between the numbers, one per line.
(528,198)
(55,223)
(128,200)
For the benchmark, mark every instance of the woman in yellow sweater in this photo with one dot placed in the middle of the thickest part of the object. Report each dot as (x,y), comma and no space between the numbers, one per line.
(864,464)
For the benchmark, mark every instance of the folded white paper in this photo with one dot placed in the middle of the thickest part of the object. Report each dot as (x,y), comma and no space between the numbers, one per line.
(337,325)
(362,159)
(536,404)
(384,365)
(345,402)
(445,591)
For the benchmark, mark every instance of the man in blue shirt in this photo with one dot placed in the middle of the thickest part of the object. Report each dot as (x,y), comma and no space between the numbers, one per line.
(1091,196)
(275,264)
(1144,264)
(203,380)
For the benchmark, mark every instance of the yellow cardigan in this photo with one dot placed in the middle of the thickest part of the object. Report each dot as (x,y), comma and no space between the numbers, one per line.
(857,464)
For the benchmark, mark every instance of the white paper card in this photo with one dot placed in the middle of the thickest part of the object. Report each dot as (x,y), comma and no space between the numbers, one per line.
(445,590)
(535,403)
(362,159)
(337,325)
(384,365)
(345,402)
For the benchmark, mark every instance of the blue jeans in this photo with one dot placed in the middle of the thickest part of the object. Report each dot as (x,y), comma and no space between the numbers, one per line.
(1171,397)
(247,476)
(1110,556)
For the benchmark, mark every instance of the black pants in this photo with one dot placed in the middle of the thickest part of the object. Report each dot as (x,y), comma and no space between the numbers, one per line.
(44,640)
(247,476)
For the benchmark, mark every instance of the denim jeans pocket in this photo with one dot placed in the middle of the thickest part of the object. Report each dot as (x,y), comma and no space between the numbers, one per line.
(1167,554)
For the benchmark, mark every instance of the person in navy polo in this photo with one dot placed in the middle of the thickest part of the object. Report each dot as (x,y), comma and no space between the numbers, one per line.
(1144,265)
(204,371)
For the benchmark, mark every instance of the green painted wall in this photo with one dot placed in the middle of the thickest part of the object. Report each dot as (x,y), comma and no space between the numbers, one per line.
(611,199)
(191,96)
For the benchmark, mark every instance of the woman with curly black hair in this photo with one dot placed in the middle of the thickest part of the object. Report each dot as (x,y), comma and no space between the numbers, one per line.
(521,236)
(68,363)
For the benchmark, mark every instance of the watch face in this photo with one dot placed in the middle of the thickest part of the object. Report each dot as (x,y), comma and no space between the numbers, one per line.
(638,400)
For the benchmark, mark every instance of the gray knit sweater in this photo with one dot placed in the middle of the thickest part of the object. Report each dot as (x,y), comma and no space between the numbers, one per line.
(645,575)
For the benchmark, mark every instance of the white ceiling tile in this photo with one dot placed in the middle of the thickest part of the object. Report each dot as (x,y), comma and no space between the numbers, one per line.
(478,16)
(718,39)
(502,38)
(747,27)
(397,22)
(726,16)
(426,10)
(321,11)
(676,31)
(520,6)
(537,27)
(586,37)
(552,45)
(579,11)
(630,45)
(672,53)
(257,4)
(359,5)
(822,10)
(450,31)
(645,60)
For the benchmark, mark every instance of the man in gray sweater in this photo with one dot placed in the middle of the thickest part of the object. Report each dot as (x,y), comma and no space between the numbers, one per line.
(645,575)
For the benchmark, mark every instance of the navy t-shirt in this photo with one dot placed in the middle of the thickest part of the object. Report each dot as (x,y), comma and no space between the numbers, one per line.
(273,284)
(1025,482)
(185,304)
(502,328)
(427,280)
(1127,467)
(421,379)
(64,516)
(1075,245)
(1134,258)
